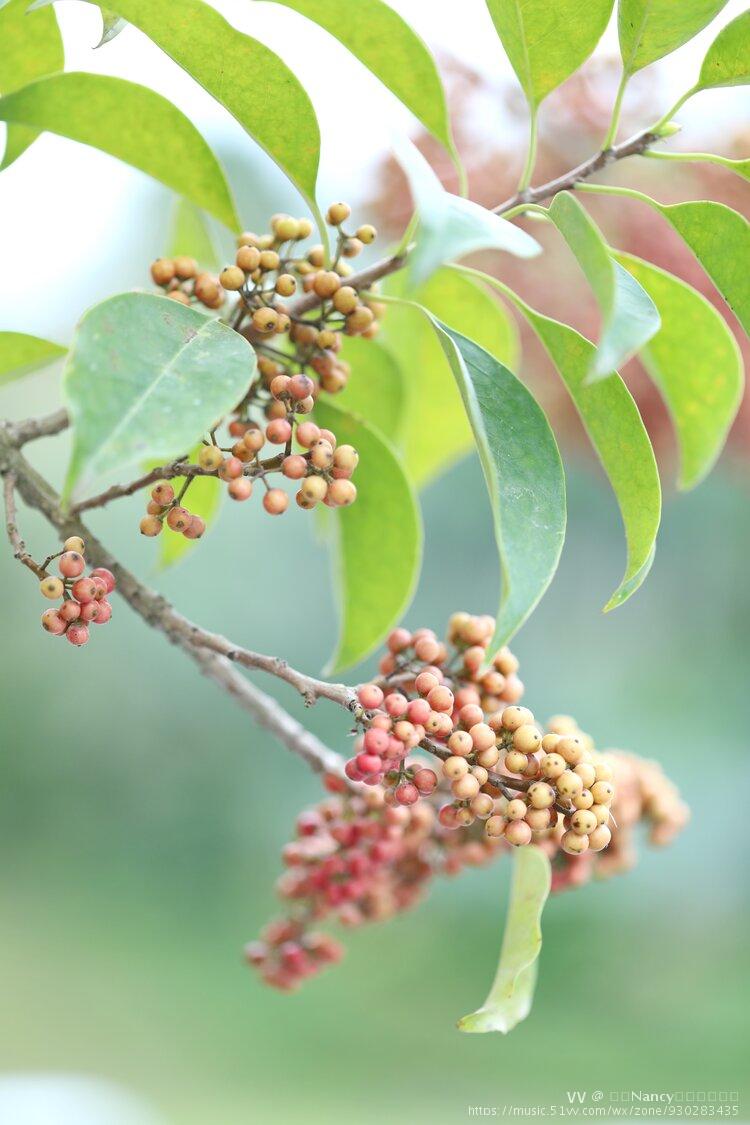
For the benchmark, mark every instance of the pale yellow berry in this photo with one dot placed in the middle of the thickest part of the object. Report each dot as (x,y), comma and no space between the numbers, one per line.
(74,543)
(603,792)
(515,717)
(569,784)
(599,838)
(571,749)
(587,774)
(482,805)
(573,843)
(541,795)
(583,822)
(455,767)
(515,761)
(488,758)
(518,833)
(465,788)
(553,765)
(516,809)
(495,826)
(527,739)
(601,812)
(584,799)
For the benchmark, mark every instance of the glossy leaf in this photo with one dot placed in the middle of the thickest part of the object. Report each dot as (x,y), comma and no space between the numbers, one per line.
(377,390)
(651,29)
(144,379)
(385,43)
(720,239)
(132,123)
(380,540)
(30,47)
(523,473)
(191,236)
(547,42)
(20,354)
(629,316)
(696,364)
(203,499)
(451,227)
(727,62)
(436,431)
(510,998)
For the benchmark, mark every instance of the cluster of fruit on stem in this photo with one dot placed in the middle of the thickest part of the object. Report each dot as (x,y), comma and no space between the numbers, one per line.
(297,358)
(84,597)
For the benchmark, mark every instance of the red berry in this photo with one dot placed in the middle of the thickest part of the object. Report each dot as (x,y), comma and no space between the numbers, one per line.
(376,741)
(77,635)
(370,696)
(71,564)
(407,793)
(418,711)
(104,614)
(369,763)
(279,431)
(425,780)
(107,577)
(300,386)
(196,529)
(101,588)
(70,610)
(84,590)
(230,469)
(90,612)
(294,467)
(179,518)
(53,622)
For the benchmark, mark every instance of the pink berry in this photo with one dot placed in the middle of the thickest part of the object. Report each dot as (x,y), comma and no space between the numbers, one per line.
(196,529)
(77,635)
(71,564)
(53,623)
(275,501)
(376,741)
(101,588)
(418,711)
(307,434)
(105,612)
(425,781)
(370,696)
(107,577)
(70,610)
(398,640)
(294,467)
(240,489)
(301,386)
(90,612)
(425,682)
(84,590)
(395,704)
(351,770)
(279,431)
(407,793)
(369,763)
(230,469)
(441,699)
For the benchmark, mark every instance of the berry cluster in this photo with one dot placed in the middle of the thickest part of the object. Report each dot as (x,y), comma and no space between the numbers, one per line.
(165,508)
(288,953)
(85,598)
(181,280)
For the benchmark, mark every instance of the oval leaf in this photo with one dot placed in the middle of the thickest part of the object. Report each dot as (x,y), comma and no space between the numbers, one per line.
(510,998)
(380,540)
(727,62)
(436,431)
(451,227)
(651,29)
(545,42)
(523,472)
(145,378)
(132,123)
(629,316)
(378,391)
(31,47)
(392,51)
(696,364)
(245,76)
(20,354)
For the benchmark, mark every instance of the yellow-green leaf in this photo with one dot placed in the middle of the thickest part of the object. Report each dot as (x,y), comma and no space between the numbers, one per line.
(547,41)
(510,998)
(132,123)
(376,391)
(30,47)
(696,364)
(191,236)
(379,540)
(727,61)
(20,354)
(651,29)
(436,431)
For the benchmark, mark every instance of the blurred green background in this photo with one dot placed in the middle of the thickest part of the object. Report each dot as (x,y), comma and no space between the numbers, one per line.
(142,817)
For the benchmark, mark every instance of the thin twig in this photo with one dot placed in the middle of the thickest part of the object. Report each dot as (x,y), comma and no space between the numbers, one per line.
(14,535)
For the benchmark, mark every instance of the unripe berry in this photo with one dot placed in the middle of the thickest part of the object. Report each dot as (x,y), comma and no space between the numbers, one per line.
(345,299)
(351,248)
(269,260)
(314,489)
(74,543)
(240,488)
(465,788)
(603,770)
(603,792)
(286,228)
(359,320)
(51,588)
(185,267)
(455,767)
(210,457)
(150,526)
(304,228)
(539,820)
(248,259)
(583,822)
(599,838)
(569,784)
(587,774)
(346,457)
(583,800)
(573,843)
(516,809)
(495,826)
(571,749)
(162,271)
(71,564)
(232,278)
(480,773)
(527,739)
(515,761)
(304,405)
(275,501)
(179,296)
(307,434)
(178,518)
(208,290)
(327,435)
(321,454)
(482,736)
(488,758)
(252,442)
(341,493)
(366,233)
(514,718)
(326,283)
(196,528)
(518,833)
(425,682)
(441,699)
(53,623)
(77,635)
(279,431)
(553,766)
(601,812)
(230,469)
(541,795)
(482,805)
(285,285)
(460,742)
(294,467)
(106,576)
(265,320)
(162,493)
(338,213)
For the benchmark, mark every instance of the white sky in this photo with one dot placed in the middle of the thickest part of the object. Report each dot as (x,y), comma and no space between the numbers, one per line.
(92,221)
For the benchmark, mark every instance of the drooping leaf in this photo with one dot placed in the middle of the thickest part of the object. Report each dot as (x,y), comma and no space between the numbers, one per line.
(739,167)
(30,47)
(436,431)
(144,379)
(449,226)
(20,354)
(727,61)
(132,123)
(720,239)
(651,29)
(377,389)
(244,75)
(202,499)
(629,316)
(112,25)
(191,236)
(510,998)
(696,364)
(547,42)
(614,426)
(382,40)
(380,540)
(523,473)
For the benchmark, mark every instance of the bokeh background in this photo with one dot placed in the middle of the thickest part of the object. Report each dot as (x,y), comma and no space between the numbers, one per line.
(141,815)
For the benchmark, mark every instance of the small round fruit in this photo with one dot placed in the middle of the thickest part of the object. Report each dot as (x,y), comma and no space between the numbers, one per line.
(495,826)
(51,588)
(240,488)
(150,526)
(232,278)
(275,501)
(583,822)
(553,766)
(71,564)
(210,457)
(106,576)
(513,718)
(516,809)
(599,838)
(541,795)
(84,590)
(603,792)
(366,233)
(77,634)
(455,767)
(573,843)
(518,833)
(569,784)
(338,213)
(179,518)
(341,493)
(53,623)
(162,271)
(74,543)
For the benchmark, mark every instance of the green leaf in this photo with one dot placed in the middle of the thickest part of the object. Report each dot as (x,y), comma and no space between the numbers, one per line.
(191,236)
(510,998)
(739,167)
(523,473)
(245,76)
(377,389)
(112,25)
(145,378)
(392,51)
(132,123)
(20,354)
(696,364)
(547,42)
(451,227)
(727,62)
(380,540)
(614,426)
(651,29)
(31,47)
(436,431)
(629,316)
(720,239)
(203,499)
